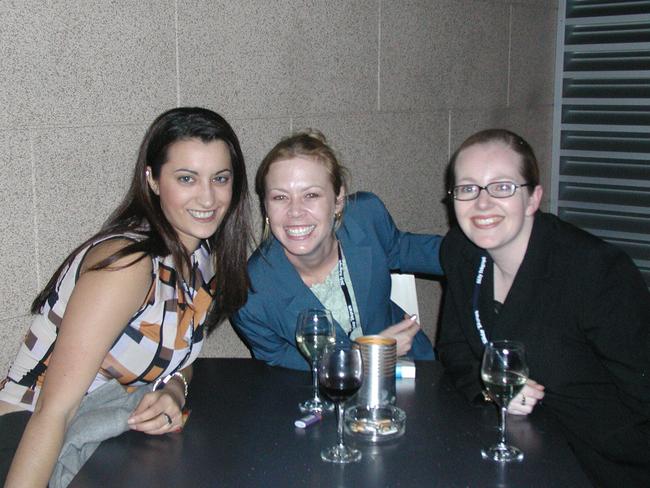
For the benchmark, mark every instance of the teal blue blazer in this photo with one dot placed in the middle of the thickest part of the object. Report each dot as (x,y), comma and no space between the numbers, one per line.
(373,247)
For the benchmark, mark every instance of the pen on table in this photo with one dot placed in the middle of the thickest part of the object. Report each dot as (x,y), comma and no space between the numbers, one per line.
(308,420)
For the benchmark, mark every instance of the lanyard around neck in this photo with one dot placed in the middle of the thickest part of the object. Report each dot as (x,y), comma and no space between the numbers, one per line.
(346,292)
(475,299)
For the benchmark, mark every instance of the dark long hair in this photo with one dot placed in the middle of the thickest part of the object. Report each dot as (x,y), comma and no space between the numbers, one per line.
(229,244)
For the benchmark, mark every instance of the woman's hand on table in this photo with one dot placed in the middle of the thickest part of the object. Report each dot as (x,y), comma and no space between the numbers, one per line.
(159,412)
(527,398)
(403,332)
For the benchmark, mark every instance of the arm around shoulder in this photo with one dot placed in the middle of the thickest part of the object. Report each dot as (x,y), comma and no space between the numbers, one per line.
(407,252)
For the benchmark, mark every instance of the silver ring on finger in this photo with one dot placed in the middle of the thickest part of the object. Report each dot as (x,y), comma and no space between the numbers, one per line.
(168,418)
(523,399)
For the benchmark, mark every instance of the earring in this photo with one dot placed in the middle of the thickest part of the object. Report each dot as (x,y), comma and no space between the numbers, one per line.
(266,232)
(337,220)
(146,173)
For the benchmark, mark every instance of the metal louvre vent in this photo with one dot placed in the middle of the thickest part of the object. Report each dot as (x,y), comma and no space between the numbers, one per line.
(601,129)
(603,8)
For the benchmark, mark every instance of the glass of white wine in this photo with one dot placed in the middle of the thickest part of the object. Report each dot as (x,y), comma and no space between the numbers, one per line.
(314,330)
(504,373)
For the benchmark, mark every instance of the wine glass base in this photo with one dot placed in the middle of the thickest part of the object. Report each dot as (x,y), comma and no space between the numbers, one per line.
(313,406)
(502,453)
(340,454)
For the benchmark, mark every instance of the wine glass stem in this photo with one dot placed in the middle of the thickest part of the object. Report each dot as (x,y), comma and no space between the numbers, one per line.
(339,423)
(504,412)
(314,374)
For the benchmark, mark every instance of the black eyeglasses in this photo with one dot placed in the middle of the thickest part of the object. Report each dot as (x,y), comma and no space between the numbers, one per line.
(497,189)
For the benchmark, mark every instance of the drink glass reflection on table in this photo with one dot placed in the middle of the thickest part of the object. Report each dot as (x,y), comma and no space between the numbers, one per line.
(314,330)
(340,374)
(504,373)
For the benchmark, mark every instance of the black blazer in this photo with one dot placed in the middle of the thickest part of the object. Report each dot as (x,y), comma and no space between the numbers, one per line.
(582,310)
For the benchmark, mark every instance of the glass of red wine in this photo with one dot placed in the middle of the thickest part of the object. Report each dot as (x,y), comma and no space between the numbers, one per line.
(340,374)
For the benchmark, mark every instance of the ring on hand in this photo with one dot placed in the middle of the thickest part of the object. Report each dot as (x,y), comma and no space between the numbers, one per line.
(169,419)
(523,399)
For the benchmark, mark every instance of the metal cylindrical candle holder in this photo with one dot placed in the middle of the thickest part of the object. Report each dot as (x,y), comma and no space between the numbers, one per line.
(379,356)
(374,417)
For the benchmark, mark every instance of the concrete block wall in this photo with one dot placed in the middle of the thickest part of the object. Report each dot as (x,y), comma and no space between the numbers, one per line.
(395,86)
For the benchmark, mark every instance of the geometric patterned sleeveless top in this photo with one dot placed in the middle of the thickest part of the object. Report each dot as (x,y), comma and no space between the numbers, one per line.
(165,334)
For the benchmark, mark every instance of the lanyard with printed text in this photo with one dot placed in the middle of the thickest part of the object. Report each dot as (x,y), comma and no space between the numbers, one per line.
(475,299)
(346,293)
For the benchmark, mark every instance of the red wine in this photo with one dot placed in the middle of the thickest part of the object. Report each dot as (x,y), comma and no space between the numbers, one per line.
(340,390)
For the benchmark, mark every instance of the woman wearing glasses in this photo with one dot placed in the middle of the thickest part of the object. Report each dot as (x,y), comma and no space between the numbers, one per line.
(578,304)
(325,249)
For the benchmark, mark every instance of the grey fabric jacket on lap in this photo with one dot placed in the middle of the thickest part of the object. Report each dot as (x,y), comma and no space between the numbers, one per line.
(102,414)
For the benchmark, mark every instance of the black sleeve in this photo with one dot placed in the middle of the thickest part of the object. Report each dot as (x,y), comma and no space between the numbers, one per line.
(616,321)
(458,358)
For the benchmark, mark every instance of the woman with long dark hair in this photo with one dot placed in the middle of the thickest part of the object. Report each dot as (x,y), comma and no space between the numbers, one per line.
(132,303)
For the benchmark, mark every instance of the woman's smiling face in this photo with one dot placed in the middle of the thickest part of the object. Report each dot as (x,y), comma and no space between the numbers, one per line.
(300,204)
(495,224)
(195,188)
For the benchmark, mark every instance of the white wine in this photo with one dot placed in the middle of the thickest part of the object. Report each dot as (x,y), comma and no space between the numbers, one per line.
(503,386)
(311,345)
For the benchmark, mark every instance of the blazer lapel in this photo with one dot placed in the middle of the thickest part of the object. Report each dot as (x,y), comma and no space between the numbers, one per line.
(290,287)
(358,257)
(292,291)
(524,298)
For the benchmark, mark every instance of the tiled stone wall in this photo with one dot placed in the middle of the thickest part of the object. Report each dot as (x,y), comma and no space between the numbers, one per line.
(395,85)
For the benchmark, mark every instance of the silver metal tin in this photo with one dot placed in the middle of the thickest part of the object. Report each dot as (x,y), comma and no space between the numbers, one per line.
(379,356)
(373,416)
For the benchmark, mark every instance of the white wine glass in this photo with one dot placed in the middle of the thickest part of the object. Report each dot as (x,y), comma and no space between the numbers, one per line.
(504,373)
(314,330)
(340,374)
